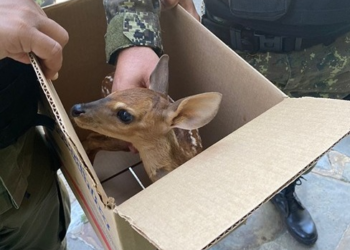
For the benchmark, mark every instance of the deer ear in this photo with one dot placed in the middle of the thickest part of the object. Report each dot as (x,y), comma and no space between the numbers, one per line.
(160,76)
(194,111)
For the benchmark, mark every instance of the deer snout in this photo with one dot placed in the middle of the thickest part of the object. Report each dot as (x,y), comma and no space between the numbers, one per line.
(77,110)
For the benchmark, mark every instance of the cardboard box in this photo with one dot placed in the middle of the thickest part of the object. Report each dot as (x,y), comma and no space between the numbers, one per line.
(260,141)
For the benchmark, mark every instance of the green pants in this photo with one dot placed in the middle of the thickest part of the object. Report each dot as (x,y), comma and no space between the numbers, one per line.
(320,71)
(41,220)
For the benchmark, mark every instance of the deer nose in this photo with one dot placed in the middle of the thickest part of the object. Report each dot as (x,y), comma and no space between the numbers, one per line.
(77,110)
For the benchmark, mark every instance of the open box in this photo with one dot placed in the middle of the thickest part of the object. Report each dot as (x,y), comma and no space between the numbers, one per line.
(259,142)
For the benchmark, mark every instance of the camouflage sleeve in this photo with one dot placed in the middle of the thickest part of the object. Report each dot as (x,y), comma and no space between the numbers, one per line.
(132,23)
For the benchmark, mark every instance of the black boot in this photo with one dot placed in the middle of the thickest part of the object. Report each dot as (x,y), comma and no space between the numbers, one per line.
(298,220)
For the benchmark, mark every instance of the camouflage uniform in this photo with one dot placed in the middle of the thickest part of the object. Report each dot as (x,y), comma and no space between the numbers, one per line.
(132,23)
(321,71)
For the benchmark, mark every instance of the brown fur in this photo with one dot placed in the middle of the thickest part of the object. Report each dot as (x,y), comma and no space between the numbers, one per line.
(156,130)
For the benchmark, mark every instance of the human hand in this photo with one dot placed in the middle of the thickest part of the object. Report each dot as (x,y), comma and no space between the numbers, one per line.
(134,68)
(188,5)
(24,28)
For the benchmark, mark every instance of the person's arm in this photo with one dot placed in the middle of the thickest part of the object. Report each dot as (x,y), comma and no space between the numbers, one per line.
(24,28)
(133,41)
(132,23)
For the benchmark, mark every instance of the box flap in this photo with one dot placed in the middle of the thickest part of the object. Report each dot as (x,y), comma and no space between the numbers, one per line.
(209,196)
(66,129)
(76,167)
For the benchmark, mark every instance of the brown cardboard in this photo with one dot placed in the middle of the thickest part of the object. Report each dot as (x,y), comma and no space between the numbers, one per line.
(217,190)
(259,142)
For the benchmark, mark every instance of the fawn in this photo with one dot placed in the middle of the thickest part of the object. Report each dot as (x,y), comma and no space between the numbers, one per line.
(164,132)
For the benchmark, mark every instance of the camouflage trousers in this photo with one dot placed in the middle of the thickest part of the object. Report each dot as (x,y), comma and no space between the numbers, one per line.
(319,71)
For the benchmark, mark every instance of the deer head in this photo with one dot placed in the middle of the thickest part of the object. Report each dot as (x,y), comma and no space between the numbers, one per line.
(146,118)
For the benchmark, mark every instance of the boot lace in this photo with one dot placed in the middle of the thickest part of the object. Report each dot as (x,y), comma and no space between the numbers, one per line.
(293,200)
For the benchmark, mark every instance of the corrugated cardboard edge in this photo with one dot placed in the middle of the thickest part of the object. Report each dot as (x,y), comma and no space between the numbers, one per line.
(99,209)
(132,238)
(61,119)
(120,216)
(227,231)
(151,207)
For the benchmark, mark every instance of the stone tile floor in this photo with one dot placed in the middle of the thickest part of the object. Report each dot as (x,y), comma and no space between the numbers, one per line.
(325,193)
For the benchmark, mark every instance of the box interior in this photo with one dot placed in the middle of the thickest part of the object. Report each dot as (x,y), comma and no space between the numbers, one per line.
(85,66)
(259,142)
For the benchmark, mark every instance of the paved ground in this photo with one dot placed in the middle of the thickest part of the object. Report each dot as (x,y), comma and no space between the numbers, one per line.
(325,193)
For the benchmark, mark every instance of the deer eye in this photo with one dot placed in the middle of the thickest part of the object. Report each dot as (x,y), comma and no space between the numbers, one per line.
(124,116)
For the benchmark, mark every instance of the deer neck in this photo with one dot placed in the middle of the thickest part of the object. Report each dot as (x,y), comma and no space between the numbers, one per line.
(167,153)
